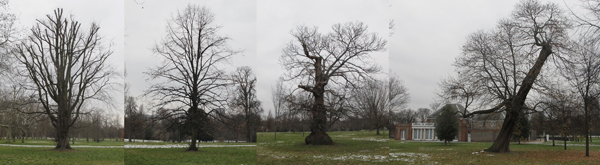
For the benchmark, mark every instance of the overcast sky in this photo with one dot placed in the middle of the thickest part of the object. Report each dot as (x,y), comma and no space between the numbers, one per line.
(430,33)
(108,14)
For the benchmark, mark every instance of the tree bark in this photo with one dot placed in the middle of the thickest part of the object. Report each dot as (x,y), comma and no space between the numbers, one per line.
(318,134)
(62,139)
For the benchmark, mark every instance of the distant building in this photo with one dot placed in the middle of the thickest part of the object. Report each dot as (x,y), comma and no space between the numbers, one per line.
(480,128)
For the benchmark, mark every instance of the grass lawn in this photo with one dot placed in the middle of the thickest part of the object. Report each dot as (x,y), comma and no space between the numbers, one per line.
(83,142)
(351,148)
(205,155)
(470,153)
(187,143)
(41,155)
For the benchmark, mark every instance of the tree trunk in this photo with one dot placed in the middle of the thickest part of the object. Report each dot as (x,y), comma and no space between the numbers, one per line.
(318,134)
(377,131)
(502,142)
(193,142)
(62,139)
(553,140)
(565,140)
(587,130)
(8,134)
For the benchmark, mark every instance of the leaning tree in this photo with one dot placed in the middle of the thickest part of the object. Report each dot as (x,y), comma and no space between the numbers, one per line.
(67,68)
(192,81)
(506,61)
(341,57)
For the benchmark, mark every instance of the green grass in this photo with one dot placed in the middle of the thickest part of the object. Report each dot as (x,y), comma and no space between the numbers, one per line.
(350,148)
(470,153)
(83,142)
(208,155)
(40,155)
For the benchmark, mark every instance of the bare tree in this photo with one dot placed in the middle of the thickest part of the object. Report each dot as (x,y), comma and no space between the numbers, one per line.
(423,113)
(7,34)
(244,99)
(374,100)
(278,96)
(339,57)
(457,89)
(67,68)
(504,61)
(583,73)
(192,51)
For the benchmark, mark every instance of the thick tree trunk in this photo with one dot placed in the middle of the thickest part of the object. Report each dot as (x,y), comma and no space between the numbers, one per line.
(502,142)
(377,131)
(318,134)
(62,139)
(193,142)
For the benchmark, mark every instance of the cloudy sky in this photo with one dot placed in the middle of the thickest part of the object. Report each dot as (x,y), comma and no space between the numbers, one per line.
(430,33)
(108,14)
(427,38)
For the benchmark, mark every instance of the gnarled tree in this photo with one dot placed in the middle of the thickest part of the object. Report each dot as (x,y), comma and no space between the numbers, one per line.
(192,80)
(316,59)
(67,68)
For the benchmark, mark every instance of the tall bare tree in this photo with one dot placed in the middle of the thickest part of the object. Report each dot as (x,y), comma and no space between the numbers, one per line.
(583,73)
(244,99)
(339,57)
(193,52)
(67,67)
(505,63)
(278,96)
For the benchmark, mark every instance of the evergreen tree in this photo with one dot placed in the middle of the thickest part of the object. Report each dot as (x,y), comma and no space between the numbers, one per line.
(446,126)
(522,128)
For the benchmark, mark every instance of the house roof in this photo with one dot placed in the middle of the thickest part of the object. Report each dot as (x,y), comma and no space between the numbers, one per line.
(489,116)
(455,108)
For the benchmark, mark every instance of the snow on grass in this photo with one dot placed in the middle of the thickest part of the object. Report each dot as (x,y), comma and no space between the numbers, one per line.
(371,139)
(402,156)
(367,158)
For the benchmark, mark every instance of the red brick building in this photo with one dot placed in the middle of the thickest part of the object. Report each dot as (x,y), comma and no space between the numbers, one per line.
(481,128)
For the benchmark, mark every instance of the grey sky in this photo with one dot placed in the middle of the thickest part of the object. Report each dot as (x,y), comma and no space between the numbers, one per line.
(109,16)
(430,34)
